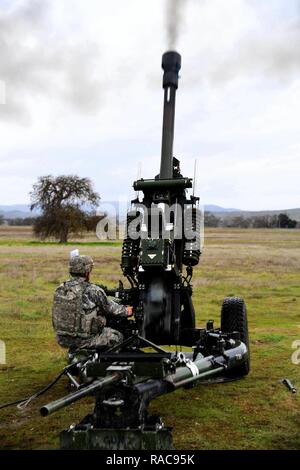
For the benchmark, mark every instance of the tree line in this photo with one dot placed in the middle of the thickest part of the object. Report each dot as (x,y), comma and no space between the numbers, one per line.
(210,220)
(259,221)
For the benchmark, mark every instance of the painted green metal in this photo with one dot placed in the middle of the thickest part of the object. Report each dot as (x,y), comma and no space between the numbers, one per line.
(142,185)
(88,438)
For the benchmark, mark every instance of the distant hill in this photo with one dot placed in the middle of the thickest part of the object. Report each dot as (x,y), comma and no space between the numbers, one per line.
(15,211)
(23,210)
(16,214)
(15,207)
(213,208)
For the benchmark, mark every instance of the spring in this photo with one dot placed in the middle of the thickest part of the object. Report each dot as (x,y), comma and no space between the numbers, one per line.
(192,252)
(131,244)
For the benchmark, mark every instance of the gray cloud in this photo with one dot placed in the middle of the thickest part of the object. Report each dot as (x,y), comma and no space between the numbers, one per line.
(273,54)
(37,61)
(44,60)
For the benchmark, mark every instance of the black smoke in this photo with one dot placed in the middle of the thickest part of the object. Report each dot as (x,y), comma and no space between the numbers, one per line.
(174,19)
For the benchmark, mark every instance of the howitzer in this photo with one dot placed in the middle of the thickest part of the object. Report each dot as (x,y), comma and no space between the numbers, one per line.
(162,239)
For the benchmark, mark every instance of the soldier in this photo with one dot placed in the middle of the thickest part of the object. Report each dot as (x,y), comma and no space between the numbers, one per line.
(80,309)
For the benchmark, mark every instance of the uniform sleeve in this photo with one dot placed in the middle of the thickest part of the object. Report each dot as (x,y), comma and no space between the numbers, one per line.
(116,309)
(106,307)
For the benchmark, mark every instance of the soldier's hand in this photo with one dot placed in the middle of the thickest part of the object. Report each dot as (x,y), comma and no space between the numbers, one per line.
(129,311)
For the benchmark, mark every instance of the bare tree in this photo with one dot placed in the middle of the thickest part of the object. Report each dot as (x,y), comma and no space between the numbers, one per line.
(65,202)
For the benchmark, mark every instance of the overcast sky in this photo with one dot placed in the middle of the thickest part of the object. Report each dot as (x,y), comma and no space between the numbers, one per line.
(82,86)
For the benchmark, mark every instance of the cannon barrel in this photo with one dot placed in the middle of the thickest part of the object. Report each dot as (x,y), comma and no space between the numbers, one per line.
(171,64)
(81,393)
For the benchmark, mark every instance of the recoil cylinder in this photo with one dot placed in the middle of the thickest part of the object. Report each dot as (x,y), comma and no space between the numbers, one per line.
(131,244)
(192,252)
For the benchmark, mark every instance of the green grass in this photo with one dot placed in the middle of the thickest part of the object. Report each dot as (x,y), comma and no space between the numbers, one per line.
(258,412)
(12,243)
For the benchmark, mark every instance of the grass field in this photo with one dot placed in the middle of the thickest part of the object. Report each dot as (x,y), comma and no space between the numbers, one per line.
(257,412)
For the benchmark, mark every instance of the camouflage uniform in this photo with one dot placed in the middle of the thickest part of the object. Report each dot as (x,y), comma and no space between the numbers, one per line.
(80,310)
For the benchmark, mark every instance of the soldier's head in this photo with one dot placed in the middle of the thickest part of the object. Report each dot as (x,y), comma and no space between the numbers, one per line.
(81,266)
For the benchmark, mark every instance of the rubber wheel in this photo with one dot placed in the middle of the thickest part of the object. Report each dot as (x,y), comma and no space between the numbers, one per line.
(234,318)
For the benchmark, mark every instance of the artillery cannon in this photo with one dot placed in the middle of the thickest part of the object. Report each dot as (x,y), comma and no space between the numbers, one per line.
(162,236)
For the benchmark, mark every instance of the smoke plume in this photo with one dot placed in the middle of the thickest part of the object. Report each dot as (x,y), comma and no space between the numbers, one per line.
(174,13)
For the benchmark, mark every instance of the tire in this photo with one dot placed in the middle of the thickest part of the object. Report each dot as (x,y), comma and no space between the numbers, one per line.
(234,318)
